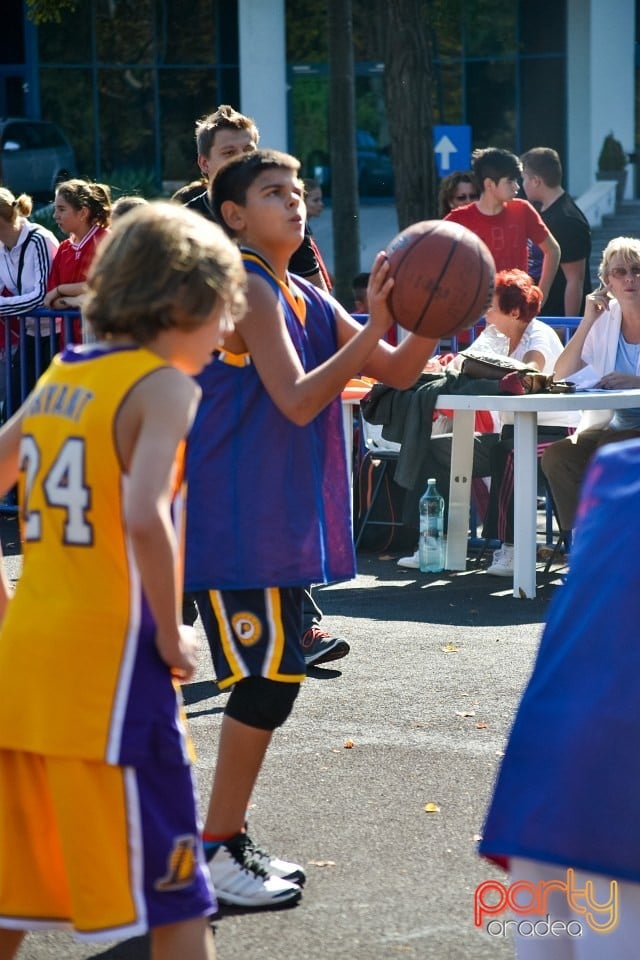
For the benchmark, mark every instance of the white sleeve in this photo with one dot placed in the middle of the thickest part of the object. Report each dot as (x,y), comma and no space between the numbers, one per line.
(35,271)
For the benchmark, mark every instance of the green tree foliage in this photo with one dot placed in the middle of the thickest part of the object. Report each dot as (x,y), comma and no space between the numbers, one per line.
(346,235)
(306,31)
(50,11)
(403,30)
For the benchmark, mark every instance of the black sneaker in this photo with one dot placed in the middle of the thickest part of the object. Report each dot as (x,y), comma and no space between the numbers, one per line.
(239,880)
(318,647)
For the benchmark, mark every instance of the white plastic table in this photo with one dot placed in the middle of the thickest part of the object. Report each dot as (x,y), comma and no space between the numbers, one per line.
(525,410)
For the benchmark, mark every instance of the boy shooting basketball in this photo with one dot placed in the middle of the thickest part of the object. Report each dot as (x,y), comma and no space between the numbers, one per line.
(98,822)
(267,453)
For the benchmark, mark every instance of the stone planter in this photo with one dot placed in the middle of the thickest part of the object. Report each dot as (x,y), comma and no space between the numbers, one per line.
(620,176)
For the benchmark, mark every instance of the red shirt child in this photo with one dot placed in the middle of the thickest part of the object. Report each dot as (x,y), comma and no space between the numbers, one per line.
(82,210)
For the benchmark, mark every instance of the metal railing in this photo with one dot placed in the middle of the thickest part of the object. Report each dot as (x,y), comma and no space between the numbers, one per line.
(27,345)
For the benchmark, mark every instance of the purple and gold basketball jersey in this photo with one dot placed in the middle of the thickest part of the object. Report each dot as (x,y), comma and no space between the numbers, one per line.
(78,662)
(268,501)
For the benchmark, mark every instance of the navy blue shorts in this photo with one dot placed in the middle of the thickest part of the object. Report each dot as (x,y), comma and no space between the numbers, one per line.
(254,633)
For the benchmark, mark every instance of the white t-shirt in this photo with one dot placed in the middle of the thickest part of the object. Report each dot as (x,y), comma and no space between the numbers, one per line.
(538,336)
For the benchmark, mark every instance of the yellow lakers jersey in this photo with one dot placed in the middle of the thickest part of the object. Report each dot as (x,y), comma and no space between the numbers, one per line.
(77,644)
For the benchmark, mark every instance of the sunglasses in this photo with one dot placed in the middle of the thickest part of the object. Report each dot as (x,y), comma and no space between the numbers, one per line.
(620,272)
(466,196)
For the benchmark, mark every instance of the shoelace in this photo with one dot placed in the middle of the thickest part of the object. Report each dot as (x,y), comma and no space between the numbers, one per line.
(312,634)
(243,850)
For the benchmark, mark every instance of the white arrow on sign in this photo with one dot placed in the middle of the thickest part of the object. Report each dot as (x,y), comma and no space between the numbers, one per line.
(445,148)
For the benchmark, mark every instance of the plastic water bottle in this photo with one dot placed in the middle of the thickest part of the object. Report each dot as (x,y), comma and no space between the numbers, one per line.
(431,543)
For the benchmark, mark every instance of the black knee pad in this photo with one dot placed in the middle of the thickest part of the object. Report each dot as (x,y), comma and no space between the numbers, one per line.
(258,702)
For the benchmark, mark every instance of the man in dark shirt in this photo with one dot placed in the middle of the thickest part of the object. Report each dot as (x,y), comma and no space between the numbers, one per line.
(541,180)
(219,137)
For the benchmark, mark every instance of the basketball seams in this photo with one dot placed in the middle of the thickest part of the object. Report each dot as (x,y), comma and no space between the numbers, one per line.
(443,270)
(432,295)
(407,248)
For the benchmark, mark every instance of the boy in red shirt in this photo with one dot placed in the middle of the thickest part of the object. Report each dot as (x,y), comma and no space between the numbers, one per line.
(504,222)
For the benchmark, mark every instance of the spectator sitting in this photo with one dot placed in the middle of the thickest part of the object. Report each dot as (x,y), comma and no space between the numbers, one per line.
(606,348)
(513,331)
(514,314)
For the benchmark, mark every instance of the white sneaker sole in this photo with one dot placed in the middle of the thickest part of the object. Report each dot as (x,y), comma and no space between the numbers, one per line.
(282,896)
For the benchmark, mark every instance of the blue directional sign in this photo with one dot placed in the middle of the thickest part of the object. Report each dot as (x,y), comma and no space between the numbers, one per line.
(452,147)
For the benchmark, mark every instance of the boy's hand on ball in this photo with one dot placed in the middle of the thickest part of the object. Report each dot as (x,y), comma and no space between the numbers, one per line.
(378,290)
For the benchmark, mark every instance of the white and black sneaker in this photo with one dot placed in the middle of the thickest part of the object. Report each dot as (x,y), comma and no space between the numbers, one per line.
(240,881)
(274,866)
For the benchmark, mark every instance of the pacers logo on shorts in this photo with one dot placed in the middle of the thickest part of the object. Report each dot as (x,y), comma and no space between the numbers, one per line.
(247,628)
(181,864)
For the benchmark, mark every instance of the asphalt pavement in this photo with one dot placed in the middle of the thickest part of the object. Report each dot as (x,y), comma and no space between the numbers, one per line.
(416,715)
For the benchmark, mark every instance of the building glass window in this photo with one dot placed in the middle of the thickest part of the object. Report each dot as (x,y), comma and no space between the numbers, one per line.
(498,66)
(185,97)
(67,99)
(127,81)
(490,93)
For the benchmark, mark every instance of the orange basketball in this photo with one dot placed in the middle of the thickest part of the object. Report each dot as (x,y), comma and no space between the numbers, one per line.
(444,276)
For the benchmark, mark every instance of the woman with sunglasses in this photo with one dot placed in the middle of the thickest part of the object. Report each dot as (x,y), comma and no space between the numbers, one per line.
(456,190)
(606,349)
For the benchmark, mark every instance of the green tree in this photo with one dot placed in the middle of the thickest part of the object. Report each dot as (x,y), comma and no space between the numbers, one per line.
(50,11)
(403,30)
(342,128)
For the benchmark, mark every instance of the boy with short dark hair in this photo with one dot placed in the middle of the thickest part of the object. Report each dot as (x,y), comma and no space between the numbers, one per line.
(504,222)
(99,828)
(221,136)
(267,452)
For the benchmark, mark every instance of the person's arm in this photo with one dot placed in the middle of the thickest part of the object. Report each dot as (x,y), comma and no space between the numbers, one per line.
(62,295)
(10,437)
(550,260)
(619,381)
(300,394)
(574,282)
(154,419)
(542,346)
(533,358)
(304,262)
(396,366)
(570,360)
(33,284)
(318,281)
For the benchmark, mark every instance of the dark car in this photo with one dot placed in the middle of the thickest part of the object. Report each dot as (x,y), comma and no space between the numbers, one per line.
(375,170)
(34,156)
